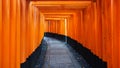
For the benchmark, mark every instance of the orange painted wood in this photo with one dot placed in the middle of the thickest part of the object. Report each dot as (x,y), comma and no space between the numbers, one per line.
(63,4)
(28,37)
(27,44)
(0,33)
(115,20)
(9,55)
(53,26)
(42,20)
(46,26)
(57,26)
(99,29)
(17,58)
(107,32)
(94,24)
(64,0)
(38,29)
(23,31)
(75,23)
(116,35)
(62,27)
(87,26)
(70,27)
(12,33)
(81,27)
(35,23)
(31,29)
(78,28)
(6,33)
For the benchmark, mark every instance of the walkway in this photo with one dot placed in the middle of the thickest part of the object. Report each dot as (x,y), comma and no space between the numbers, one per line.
(59,56)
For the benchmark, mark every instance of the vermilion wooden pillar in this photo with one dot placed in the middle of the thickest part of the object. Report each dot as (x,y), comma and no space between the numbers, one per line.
(17,58)
(86,23)
(107,31)
(42,21)
(27,22)
(75,23)
(9,52)
(31,29)
(81,27)
(53,26)
(0,33)
(115,20)
(78,27)
(70,27)
(56,22)
(116,35)
(12,33)
(56,26)
(90,28)
(23,31)
(62,27)
(6,33)
(46,26)
(98,28)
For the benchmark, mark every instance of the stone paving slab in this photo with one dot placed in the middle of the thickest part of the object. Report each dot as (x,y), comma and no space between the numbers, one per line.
(59,56)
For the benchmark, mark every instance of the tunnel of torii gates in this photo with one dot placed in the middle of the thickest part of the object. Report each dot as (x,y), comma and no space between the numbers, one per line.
(93,23)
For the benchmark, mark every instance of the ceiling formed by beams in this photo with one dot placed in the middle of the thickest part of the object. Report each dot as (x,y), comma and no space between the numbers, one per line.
(51,5)
(56,15)
(60,0)
(57,9)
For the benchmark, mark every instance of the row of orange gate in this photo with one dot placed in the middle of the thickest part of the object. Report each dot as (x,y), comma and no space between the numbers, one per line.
(97,27)
(22,28)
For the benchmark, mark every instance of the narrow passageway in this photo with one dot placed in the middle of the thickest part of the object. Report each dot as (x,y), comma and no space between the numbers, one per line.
(58,55)
(85,32)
